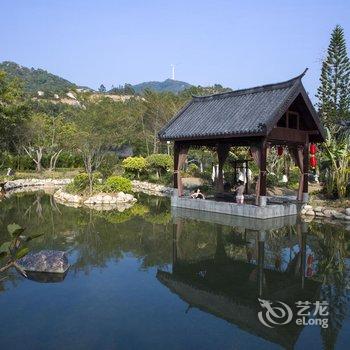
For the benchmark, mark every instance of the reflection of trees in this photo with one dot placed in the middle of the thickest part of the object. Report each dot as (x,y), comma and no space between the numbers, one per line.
(332,251)
(116,217)
(146,231)
(88,246)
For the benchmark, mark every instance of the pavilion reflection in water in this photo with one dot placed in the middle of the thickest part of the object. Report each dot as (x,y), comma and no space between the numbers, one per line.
(245,264)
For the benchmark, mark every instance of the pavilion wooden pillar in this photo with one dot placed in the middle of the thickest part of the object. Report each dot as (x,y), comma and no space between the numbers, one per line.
(305,197)
(222,151)
(180,155)
(176,162)
(262,175)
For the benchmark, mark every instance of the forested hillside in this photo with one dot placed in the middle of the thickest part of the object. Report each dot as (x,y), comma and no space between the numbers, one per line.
(167,85)
(36,79)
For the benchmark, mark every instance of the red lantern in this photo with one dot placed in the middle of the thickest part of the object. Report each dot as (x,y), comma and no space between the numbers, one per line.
(310,260)
(313,162)
(313,149)
(279,150)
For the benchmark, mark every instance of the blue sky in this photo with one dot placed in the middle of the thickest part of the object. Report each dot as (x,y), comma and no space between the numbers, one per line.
(235,43)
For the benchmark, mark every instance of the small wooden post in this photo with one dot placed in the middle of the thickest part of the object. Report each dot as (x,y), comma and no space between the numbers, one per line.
(305,198)
(262,183)
(176,163)
(235,174)
(222,150)
(246,177)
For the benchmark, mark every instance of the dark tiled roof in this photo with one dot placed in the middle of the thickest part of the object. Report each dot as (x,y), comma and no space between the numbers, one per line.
(241,112)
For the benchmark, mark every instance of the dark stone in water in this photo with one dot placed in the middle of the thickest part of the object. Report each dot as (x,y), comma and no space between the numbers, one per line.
(46,277)
(45,261)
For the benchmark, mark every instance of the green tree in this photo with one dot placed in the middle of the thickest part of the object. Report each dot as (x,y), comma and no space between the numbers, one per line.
(102,89)
(159,108)
(160,163)
(334,91)
(36,137)
(99,127)
(61,133)
(13,111)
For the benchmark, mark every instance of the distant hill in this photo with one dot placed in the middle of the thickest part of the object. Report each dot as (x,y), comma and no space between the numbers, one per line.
(168,85)
(37,79)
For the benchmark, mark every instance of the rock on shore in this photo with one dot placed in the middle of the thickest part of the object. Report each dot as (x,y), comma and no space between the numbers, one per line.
(101,201)
(63,196)
(319,211)
(10,185)
(151,188)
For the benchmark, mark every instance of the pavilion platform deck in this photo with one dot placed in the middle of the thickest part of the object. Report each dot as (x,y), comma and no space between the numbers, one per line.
(233,220)
(273,209)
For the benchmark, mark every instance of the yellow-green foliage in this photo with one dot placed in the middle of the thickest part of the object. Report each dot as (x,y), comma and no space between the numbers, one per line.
(159,161)
(117,184)
(134,165)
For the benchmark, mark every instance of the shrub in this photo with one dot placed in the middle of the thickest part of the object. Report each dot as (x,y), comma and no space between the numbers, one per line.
(271,180)
(159,162)
(81,182)
(193,170)
(294,177)
(135,165)
(117,184)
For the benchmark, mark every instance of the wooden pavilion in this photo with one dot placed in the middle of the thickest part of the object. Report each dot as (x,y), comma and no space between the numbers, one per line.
(278,114)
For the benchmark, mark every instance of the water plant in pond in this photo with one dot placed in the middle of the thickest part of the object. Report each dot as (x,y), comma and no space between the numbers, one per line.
(15,249)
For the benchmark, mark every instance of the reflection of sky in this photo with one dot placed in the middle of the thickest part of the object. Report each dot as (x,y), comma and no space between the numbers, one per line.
(110,300)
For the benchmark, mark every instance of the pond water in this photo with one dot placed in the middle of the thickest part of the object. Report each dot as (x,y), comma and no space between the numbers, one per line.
(143,280)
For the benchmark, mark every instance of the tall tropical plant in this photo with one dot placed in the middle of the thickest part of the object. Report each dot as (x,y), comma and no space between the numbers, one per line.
(336,163)
(334,91)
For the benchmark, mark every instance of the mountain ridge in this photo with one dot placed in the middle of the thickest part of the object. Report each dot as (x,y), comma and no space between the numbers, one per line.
(37,79)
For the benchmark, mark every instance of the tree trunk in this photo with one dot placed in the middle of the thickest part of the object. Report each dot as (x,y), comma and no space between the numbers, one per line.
(37,161)
(39,156)
(53,160)
(155,143)
(89,171)
(145,136)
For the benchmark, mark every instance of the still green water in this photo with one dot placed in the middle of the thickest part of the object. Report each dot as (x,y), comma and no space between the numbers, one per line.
(141,280)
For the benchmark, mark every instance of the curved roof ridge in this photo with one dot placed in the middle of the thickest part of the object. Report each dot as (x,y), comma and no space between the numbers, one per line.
(251,90)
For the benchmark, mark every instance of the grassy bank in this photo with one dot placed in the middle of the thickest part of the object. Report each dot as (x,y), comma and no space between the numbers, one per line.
(61,173)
